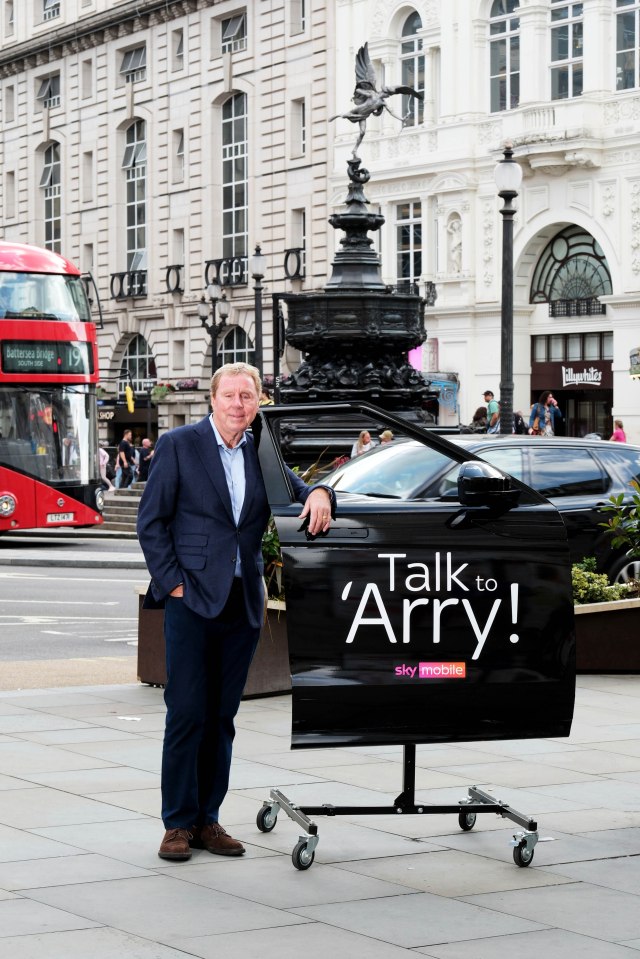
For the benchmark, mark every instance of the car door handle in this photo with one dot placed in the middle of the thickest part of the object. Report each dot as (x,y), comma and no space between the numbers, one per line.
(350,532)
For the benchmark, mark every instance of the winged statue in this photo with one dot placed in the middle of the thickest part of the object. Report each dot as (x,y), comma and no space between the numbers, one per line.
(368,100)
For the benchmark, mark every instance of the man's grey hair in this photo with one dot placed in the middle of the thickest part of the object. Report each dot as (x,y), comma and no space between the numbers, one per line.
(236,369)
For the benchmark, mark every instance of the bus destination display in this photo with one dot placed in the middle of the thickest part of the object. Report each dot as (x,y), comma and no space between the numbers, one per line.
(46,356)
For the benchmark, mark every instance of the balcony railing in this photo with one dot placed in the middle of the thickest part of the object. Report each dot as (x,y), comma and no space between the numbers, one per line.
(585,307)
(228,271)
(128,285)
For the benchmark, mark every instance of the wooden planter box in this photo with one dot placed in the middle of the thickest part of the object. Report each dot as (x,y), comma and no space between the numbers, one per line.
(608,637)
(269,672)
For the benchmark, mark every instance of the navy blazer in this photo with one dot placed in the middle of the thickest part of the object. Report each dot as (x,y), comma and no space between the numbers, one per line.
(186,527)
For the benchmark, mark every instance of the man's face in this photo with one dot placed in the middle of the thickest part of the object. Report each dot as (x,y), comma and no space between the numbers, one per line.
(488,397)
(234,405)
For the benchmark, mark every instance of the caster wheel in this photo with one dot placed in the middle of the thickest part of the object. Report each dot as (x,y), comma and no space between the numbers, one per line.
(522,856)
(301,857)
(467,820)
(266,819)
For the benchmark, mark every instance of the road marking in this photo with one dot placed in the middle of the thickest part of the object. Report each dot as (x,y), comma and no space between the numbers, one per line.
(60,602)
(72,579)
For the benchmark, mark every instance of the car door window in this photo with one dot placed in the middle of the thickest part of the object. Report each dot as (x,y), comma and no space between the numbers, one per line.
(399,470)
(623,464)
(507,459)
(566,472)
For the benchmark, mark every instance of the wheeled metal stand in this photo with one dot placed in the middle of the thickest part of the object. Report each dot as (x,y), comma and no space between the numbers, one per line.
(478,801)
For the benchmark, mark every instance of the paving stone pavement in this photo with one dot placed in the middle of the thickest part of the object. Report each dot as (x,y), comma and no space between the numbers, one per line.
(79,833)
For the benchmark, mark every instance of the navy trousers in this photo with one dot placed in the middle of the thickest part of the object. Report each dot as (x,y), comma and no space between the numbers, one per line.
(207,665)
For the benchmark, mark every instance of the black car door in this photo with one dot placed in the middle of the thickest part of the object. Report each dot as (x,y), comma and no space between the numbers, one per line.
(424,620)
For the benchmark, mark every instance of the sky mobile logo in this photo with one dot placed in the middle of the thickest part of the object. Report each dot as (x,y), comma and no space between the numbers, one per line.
(433,670)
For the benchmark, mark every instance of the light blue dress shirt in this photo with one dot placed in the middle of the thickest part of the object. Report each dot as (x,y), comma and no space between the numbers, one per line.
(233,462)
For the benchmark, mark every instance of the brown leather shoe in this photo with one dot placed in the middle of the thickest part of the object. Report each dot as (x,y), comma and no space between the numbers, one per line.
(215,839)
(175,845)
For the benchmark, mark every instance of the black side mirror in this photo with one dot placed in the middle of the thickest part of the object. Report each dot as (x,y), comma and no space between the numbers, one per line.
(480,484)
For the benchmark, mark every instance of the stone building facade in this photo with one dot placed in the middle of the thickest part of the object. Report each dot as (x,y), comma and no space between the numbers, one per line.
(156,143)
(561,81)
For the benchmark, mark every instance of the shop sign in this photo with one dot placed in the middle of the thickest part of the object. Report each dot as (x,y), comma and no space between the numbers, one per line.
(581,377)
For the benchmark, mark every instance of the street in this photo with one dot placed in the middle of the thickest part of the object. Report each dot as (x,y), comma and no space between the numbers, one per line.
(65,624)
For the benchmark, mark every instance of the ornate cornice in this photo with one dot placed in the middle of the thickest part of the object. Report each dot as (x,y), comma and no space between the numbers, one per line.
(93,31)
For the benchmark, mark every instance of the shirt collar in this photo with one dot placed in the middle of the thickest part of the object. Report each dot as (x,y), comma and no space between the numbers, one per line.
(219,439)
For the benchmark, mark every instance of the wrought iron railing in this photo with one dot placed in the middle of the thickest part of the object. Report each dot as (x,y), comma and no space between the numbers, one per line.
(129,284)
(586,307)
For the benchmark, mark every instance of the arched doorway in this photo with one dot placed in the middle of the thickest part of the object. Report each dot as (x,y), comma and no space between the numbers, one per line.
(571,274)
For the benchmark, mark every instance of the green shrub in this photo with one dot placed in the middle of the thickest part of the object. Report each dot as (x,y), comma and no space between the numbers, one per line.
(624,524)
(592,587)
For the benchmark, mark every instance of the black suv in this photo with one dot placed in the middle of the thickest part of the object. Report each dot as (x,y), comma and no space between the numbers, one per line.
(576,475)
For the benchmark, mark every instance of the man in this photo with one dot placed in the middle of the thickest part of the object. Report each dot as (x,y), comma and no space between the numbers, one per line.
(200,524)
(126,460)
(144,460)
(493,412)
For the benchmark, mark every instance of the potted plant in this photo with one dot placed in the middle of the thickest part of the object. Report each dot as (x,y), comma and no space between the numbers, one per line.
(159,392)
(606,621)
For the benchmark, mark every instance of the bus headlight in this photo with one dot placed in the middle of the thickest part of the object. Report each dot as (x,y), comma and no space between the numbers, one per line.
(7,505)
(99,499)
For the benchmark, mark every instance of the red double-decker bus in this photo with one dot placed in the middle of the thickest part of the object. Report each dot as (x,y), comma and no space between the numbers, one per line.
(49,466)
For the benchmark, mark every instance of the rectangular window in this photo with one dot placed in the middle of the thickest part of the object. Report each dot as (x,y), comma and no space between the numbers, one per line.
(504,59)
(49,91)
(234,33)
(9,195)
(566,50)
(572,347)
(298,128)
(178,156)
(409,241)
(295,264)
(134,65)
(87,177)
(178,355)
(177,247)
(9,103)
(298,17)
(50,9)
(539,349)
(627,46)
(86,79)
(87,257)
(9,18)
(177,50)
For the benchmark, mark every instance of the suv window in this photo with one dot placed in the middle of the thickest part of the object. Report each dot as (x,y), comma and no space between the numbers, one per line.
(507,459)
(623,463)
(566,472)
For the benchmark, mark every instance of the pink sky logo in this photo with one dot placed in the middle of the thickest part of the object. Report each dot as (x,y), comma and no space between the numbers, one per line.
(433,670)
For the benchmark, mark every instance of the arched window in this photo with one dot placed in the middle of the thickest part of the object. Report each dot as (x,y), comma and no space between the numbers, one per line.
(140,364)
(571,274)
(235,206)
(50,183)
(236,347)
(134,163)
(412,59)
(504,49)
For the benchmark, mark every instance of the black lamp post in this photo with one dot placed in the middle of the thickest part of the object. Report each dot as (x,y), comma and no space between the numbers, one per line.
(148,388)
(508,176)
(217,299)
(257,266)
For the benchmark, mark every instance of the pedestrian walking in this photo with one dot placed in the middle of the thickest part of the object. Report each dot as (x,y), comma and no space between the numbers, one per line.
(618,435)
(493,412)
(544,415)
